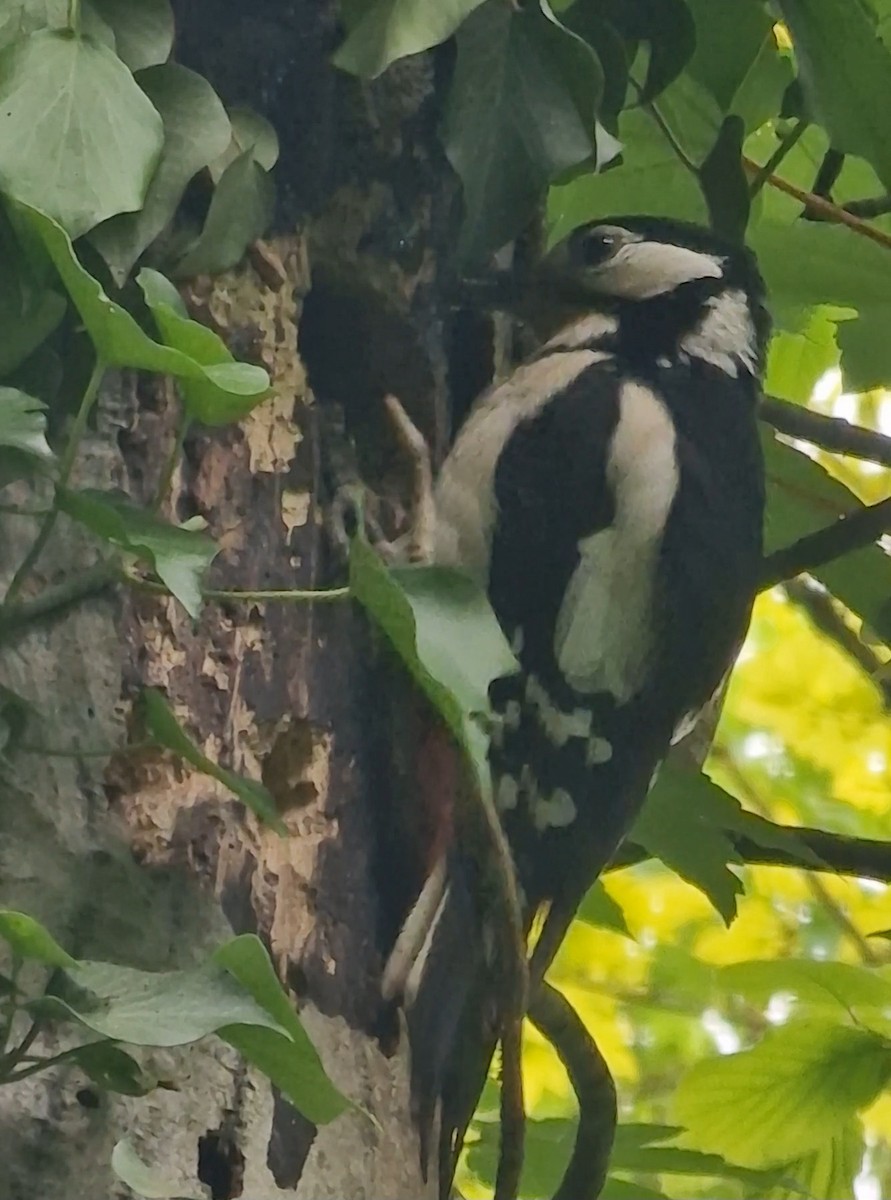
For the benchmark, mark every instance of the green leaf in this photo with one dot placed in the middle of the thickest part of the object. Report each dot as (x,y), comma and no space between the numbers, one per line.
(797,361)
(846,74)
(19,18)
(120,341)
(164,727)
(647,181)
(240,212)
(93,138)
(621,1189)
(23,424)
(441,626)
(799,1086)
(144,1180)
(179,557)
(520,112)
(29,310)
(600,909)
(801,498)
(204,400)
(391,29)
(737,60)
(250,131)
(113,1069)
(295,1069)
(724,183)
(196,131)
(813,984)
(668,28)
(28,939)
(828,1172)
(143,29)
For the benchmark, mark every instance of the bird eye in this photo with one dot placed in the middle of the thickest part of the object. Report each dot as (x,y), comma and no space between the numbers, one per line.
(597,246)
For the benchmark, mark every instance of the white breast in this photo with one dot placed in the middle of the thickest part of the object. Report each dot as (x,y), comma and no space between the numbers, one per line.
(603,634)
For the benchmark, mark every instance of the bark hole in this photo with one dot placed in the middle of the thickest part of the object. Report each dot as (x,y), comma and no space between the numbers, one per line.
(220,1164)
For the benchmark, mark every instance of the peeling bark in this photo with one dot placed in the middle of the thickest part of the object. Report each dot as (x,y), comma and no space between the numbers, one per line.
(140,859)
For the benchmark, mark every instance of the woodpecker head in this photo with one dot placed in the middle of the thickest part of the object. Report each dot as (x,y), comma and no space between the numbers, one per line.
(674,288)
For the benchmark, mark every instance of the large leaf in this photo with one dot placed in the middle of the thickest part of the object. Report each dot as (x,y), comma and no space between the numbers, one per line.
(164,727)
(179,557)
(521,112)
(799,1086)
(391,29)
(78,136)
(240,212)
(120,341)
(143,31)
(829,1171)
(299,1073)
(846,73)
(196,131)
(813,984)
(442,627)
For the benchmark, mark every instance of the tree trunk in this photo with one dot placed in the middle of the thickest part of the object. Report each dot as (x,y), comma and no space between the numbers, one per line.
(136,858)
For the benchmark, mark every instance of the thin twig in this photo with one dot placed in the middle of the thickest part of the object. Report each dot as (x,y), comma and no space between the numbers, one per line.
(825,617)
(56,598)
(824,208)
(850,532)
(247,595)
(555,1018)
(829,433)
(786,143)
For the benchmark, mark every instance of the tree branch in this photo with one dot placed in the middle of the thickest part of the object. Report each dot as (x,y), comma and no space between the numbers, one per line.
(555,1018)
(829,433)
(865,858)
(850,532)
(823,208)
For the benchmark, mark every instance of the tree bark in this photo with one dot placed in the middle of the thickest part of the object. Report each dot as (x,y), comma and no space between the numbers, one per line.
(137,858)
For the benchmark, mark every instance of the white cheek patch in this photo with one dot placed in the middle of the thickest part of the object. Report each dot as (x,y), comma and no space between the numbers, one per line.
(644,269)
(603,635)
(725,337)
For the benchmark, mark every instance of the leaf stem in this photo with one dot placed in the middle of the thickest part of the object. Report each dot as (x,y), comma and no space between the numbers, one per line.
(790,139)
(65,467)
(172,459)
(286,595)
(96,752)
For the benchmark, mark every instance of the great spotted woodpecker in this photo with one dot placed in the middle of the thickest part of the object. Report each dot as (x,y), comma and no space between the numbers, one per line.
(609,498)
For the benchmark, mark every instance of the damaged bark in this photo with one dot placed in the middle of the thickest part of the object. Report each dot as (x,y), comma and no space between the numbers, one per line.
(138,858)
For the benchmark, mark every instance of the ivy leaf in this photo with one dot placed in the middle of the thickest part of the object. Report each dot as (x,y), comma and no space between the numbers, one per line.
(240,212)
(179,557)
(391,29)
(113,1069)
(143,31)
(250,131)
(93,137)
(520,112)
(121,342)
(203,399)
(782,1099)
(28,939)
(163,726)
(29,309)
(23,424)
(845,71)
(441,626)
(299,1074)
(144,1180)
(196,131)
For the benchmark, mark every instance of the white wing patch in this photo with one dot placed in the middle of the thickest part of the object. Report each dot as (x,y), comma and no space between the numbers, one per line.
(603,634)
